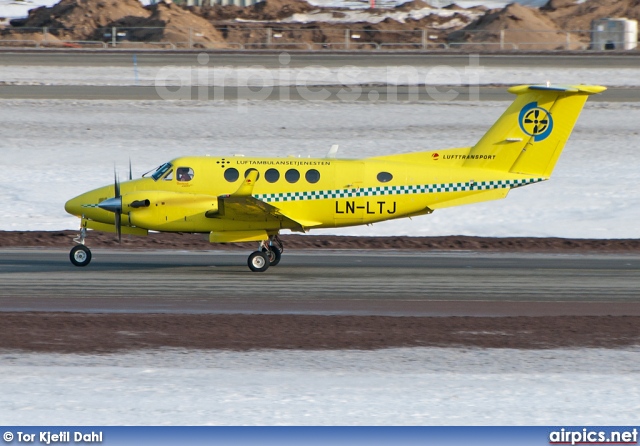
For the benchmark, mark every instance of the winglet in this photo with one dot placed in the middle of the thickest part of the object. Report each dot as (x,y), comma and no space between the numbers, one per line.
(333,151)
(246,188)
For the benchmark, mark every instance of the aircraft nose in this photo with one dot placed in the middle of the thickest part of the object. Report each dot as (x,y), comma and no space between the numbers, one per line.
(74,206)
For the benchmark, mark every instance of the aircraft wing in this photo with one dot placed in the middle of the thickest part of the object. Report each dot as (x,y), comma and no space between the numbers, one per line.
(241,205)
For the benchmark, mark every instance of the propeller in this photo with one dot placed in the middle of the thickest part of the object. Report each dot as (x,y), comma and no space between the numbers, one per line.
(114,205)
(130,172)
(118,215)
(116,183)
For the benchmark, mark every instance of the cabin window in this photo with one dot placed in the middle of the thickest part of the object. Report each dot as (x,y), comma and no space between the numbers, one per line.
(385,177)
(246,173)
(292,176)
(231,175)
(272,175)
(312,176)
(184,174)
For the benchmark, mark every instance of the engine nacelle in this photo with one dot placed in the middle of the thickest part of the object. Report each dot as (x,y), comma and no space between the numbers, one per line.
(169,211)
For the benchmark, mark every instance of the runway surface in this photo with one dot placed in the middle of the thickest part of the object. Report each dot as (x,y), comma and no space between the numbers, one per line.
(323,282)
(301,59)
(295,93)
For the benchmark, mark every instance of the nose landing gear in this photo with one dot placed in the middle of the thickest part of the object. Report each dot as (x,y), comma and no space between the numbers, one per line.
(80,255)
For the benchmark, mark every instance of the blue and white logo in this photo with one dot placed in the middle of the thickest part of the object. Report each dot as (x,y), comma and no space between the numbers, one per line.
(535,121)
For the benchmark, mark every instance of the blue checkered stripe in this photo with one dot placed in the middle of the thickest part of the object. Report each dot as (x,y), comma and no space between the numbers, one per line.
(395,190)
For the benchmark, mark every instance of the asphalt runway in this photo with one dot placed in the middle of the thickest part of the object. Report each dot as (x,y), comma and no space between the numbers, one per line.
(323,282)
(373,93)
(270,59)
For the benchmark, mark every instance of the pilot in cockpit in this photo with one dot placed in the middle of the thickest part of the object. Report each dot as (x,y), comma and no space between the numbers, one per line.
(184,174)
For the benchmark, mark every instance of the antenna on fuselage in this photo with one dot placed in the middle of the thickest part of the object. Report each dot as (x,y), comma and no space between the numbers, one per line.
(333,151)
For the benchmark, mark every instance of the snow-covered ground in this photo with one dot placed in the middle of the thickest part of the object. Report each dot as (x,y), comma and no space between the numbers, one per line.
(210,74)
(20,8)
(11,9)
(434,3)
(377,16)
(406,386)
(53,150)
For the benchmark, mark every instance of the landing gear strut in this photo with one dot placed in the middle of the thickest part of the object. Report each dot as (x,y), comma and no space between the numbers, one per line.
(80,255)
(273,248)
(268,254)
(274,255)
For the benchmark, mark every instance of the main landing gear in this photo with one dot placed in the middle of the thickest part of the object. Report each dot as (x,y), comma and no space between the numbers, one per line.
(80,255)
(268,254)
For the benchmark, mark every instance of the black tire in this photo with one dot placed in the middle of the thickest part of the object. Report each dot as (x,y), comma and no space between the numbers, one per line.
(258,262)
(274,255)
(80,255)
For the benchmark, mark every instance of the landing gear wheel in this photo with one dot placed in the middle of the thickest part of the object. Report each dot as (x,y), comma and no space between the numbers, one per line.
(258,262)
(80,255)
(274,254)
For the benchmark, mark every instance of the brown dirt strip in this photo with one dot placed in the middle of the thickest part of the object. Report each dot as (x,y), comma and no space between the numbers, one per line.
(105,333)
(64,239)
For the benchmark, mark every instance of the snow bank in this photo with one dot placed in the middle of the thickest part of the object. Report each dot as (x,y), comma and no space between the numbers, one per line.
(377,16)
(435,3)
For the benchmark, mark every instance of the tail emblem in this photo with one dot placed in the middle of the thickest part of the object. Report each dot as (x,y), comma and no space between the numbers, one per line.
(535,121)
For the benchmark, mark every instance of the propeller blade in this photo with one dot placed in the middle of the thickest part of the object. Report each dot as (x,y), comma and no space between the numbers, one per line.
(130,173)
(115,205)
(116,183)
(119,226)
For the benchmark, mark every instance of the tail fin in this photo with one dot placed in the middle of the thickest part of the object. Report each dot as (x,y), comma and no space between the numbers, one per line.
(529,137)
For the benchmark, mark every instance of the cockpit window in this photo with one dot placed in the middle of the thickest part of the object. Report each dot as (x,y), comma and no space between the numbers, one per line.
(161,171)
(184,173)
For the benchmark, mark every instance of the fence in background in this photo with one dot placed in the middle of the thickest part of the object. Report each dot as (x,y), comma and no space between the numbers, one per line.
(236,36)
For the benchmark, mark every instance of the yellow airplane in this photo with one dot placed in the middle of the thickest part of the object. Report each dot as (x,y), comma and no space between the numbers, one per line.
(238,199)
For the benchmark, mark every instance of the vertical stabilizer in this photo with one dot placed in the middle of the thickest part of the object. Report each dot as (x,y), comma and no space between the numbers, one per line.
(529,137)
